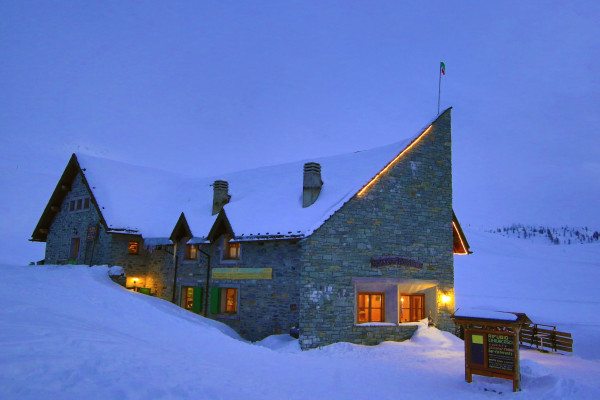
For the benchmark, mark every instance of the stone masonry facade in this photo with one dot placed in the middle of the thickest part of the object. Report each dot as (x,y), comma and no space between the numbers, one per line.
(407,212)
(68,225)
(265,306)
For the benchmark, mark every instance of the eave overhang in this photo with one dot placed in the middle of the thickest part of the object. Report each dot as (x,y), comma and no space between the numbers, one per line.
(460,243)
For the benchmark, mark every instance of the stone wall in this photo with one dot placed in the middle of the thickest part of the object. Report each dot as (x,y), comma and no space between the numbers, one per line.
(265,307)
(68,225)
(407,212)
(109,248)
(149,266)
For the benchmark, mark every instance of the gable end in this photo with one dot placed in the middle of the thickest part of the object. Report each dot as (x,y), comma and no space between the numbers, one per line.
(40,233)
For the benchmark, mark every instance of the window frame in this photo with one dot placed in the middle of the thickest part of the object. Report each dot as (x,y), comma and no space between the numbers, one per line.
(79,204)
(186,300)
(411,309)
(130,247)
(227,246)
(368,307)
(188,253)
(226,301)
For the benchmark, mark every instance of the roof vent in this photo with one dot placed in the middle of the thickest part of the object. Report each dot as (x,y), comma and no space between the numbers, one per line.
(312,183)
(220,196)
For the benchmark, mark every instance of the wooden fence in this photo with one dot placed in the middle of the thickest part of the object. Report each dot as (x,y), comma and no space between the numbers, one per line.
(547,338)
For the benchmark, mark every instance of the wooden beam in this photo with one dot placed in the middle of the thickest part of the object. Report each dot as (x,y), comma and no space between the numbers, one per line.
(65,187)
(44,231)
(54,208)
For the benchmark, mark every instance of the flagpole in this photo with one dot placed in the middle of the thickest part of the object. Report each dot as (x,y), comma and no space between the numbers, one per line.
(439,89)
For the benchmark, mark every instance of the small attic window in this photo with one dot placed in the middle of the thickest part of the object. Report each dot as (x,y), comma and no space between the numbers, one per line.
(79,204)
(231,251)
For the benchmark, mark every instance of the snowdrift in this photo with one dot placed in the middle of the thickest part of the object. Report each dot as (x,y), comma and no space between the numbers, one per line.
(69,332)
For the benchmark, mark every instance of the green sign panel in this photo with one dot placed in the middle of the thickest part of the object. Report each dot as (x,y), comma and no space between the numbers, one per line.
(501,352)
(242,273)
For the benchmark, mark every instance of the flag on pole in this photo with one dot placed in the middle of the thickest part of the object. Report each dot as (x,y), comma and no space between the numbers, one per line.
(442,72)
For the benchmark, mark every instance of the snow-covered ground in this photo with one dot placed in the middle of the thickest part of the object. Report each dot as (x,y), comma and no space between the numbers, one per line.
(68,332)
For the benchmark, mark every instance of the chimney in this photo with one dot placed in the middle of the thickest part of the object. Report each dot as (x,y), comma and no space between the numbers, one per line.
(312,183)
(220,196)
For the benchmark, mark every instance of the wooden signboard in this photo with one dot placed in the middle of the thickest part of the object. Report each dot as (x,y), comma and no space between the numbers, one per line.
(242,273)
(492,347)
(92,233)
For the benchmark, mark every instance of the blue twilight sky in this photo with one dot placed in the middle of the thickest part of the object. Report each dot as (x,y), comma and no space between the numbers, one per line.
(218,86)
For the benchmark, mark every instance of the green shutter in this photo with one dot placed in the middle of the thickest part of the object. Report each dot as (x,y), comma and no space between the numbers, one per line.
(215,300)
(144,290)
(197,301)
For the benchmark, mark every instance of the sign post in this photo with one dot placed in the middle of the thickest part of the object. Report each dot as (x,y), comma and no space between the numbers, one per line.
(492,344)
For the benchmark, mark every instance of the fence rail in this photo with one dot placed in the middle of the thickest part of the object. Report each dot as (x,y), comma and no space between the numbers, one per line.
(546,339)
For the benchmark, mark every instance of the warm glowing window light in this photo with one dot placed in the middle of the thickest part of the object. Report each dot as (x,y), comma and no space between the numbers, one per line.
(461,241)
(368,185)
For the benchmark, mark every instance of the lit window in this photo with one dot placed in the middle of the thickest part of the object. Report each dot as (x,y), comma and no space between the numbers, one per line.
(230,300)
(187,297)
(231,251)
(191,298)
(224,301)
(134,248)
(371,307)
(412,307)
(191,252)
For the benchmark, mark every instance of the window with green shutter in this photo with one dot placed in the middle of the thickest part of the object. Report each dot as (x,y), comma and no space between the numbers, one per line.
(191,298)
(223,301)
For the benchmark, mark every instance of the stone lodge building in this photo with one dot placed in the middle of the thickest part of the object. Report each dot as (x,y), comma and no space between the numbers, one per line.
(355,247)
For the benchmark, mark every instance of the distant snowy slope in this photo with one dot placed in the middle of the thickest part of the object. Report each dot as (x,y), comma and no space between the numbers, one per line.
(554,285)
(545,234)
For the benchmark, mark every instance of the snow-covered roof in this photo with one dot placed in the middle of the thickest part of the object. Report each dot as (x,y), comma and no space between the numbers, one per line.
(265,202)
(486,314)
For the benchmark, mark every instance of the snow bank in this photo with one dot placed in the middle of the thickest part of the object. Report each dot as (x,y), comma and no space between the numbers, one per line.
(280,343)
(70,332)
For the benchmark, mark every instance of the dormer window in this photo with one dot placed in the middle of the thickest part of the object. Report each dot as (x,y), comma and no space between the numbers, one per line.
(191,252)
(231,251)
